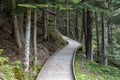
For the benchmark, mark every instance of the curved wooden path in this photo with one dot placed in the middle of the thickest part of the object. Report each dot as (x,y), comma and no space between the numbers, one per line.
(59,66)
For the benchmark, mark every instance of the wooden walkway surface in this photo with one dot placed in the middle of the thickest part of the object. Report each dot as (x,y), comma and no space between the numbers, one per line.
(59,66)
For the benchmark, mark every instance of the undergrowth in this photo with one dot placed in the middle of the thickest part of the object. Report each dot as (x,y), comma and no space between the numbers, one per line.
(86,70)
(14,70)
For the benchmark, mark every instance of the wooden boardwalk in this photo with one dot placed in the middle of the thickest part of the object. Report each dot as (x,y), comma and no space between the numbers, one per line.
(59,66)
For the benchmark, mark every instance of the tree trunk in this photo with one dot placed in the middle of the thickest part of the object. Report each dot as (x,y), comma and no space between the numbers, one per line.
(82,34)
(109,36)
(89,50)
(55,17)
(73,34)
(34,37)
(76,27)
(111,42)
(44,24)
(84,25)
(27,39)
(21,27)
(16,28)
(67,30)
(87,25)
(97,35)
(105,36)
(58,23)
(61,23)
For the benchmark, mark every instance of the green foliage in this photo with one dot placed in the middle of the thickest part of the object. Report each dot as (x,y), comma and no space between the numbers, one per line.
(33,5)
(92,7)
(6,72)
(18,70)
(94,46)
(1,50)
(115,19)
(75,1)
(61,7)
(3,60)
(14,71)
(86,70)
(115,4)
(36,70)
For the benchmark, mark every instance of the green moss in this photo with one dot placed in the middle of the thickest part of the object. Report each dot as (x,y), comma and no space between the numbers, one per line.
(86,70)
(55,36)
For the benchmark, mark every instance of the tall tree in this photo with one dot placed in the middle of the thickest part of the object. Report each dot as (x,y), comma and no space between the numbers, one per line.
(67,20)
(97,36)
(87,25)
(34,37)
(84,24)
(44,18)
(21,27)
(76,26)
(16,28)
(55,17)
(89,48)
(27,39)
(105,36)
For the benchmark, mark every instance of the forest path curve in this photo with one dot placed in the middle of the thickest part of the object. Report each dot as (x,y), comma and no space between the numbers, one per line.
(59,66)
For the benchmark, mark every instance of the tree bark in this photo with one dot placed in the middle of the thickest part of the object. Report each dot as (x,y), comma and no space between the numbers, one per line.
(76,27)
(97,35)
(27,39)
(82,34)
(34,38)
(105,36)
(16,28)
(84,25)
(58,17)
(89,48)
(55,19)
(44,24)
(67,30)
(21,27)
(61,23)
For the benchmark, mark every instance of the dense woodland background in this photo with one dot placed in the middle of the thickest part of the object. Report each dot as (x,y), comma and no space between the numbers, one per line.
(30,31)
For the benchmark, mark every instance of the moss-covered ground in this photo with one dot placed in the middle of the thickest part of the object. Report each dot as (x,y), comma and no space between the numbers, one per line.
(86,70)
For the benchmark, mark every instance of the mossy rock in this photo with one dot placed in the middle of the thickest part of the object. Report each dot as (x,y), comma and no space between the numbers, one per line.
(55,36)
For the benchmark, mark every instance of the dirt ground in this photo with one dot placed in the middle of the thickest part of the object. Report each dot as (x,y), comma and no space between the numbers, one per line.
(7,43)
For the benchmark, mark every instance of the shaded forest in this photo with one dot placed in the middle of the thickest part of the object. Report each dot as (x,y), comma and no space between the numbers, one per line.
(30,31)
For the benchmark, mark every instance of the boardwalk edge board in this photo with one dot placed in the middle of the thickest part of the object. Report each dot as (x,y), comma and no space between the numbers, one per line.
(73,61)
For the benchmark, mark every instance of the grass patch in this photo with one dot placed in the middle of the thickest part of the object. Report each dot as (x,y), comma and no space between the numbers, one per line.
(86,70)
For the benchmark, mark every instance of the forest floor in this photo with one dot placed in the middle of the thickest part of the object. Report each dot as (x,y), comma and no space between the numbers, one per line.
(10,50)
(86,70)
